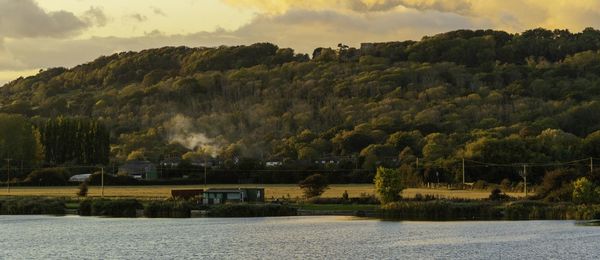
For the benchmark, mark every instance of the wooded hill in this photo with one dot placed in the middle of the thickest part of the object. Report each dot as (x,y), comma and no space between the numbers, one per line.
(485,95)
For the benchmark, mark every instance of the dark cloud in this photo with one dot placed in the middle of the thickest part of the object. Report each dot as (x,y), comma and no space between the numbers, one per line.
(24,18)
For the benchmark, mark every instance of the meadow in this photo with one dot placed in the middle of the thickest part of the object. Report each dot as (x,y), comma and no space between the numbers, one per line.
(273,191)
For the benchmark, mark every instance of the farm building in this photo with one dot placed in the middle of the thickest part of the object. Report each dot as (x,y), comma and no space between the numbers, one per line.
(139,169)
(220,196)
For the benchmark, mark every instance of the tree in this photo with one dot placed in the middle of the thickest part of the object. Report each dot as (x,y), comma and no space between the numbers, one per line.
(388,184)
(314,185)
(585,192)
(19,140)
(136,155)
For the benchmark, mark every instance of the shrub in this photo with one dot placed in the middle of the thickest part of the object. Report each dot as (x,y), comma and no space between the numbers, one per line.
(345,195)
(506,185)
(168,209)
(83,189)
(585,192)
(480,185)
(314,185)
(48,177)
(554,181)
(109,208)
(440,210)
(497,195)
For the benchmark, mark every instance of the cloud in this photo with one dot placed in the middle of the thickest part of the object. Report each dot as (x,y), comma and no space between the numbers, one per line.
(511,15)
(158,11)
(24,18)
(302,30)
(95,16)
(138,17)
(281,6)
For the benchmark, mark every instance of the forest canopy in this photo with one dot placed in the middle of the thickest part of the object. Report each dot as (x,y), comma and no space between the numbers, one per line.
(482,95)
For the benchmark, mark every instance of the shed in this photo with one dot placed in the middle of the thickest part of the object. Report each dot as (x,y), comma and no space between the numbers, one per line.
(228,195)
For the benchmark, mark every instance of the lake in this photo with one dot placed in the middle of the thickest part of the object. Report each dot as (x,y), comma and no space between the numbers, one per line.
(72,237)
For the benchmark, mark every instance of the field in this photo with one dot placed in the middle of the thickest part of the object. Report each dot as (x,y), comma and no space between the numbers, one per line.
(272,191)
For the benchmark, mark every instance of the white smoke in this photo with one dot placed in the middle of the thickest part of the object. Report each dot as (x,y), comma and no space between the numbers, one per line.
(181,130)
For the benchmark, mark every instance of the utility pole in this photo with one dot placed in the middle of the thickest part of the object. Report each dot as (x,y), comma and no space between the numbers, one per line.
(463,171)
(8,172)
(417,163)
(102,182)
(525,178)
(205,165)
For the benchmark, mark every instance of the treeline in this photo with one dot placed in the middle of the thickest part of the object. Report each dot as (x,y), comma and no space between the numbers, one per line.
(481,95)
(75,140)
(31,143)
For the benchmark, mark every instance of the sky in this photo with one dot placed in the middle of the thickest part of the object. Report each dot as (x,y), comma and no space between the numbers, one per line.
(38,34)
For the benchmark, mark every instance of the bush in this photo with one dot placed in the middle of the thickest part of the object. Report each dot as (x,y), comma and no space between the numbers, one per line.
(314,185)
(554,184)
(168,209)
(506,185)
(440,210)
(83,189)
(48,177)
(497,195)
(345,195)
(32,206)
(585,192)
(109,208)
(480,185)
(251,210)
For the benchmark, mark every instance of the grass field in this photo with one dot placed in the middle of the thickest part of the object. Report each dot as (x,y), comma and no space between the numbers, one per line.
(271,190)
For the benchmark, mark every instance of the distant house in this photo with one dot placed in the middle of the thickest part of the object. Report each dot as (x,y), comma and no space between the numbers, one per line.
(170,162)
(139,169)
(80,177)
(273,163)
(221,196)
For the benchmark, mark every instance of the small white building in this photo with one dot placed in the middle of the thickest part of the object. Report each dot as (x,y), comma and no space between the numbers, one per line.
(80,177)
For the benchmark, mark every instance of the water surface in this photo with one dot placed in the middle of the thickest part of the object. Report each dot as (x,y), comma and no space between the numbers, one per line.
(46,237)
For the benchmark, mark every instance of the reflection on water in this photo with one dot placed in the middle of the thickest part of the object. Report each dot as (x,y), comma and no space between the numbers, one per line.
(27,237)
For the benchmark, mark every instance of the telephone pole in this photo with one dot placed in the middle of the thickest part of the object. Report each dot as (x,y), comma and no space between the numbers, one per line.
(417,163)
(8,172)
(525,178)
(463,171)
(102,182)
(205,169)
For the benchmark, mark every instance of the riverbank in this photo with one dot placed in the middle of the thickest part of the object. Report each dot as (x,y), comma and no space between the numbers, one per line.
(434,210)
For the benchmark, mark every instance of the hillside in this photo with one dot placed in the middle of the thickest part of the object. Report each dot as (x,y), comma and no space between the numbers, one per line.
(485,95)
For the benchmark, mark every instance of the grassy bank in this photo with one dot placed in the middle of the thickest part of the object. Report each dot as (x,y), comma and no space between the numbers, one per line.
(251,210)
(31,206)
(442,210)
(272,191)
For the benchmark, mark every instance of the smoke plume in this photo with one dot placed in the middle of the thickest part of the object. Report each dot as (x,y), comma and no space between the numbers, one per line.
(181,130)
